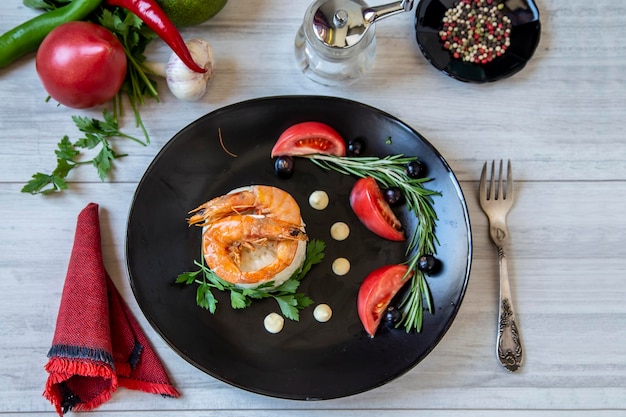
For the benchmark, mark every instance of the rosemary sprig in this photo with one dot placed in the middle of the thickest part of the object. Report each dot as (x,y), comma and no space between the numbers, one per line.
(389,171)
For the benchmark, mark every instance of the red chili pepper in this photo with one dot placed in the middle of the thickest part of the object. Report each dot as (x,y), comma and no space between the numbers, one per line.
(156,19)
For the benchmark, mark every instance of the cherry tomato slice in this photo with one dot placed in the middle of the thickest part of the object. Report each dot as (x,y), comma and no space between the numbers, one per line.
(375,293)
(308,138)
(373,211)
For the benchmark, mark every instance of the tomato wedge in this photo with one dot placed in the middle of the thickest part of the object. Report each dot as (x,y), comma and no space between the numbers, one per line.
(309,138)
(375,293)
(373,211)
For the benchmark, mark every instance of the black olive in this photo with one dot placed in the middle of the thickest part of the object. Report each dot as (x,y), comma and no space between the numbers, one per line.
(392,316)
(284,166)
(415,169)
(393,196)
(428,264)
(355,147)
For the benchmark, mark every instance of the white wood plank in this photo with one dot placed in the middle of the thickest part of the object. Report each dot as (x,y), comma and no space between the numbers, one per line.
(559,120)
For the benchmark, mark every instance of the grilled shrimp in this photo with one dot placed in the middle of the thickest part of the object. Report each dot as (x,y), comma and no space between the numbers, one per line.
(258,199)
(225,242)
(251,234)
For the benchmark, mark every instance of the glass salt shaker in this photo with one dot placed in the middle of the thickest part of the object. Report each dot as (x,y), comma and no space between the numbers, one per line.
(336,43)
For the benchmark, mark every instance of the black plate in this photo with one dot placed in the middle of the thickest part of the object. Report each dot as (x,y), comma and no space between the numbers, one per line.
(307,360)
(525,35)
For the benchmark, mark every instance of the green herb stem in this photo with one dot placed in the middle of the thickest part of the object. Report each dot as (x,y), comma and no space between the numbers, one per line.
(134,36)
(141,74)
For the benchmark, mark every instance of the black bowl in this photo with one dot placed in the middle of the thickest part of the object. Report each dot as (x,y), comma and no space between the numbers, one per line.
(525,35)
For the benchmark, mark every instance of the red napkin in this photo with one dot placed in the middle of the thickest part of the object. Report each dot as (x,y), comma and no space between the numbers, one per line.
(98,344)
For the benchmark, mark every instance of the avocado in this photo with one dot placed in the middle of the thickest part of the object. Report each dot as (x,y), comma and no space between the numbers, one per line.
(185,13)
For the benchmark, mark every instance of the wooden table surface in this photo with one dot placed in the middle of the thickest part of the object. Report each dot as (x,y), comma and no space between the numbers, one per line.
(560,121)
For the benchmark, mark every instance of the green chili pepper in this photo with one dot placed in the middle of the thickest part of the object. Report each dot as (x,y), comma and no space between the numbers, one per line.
(26,37)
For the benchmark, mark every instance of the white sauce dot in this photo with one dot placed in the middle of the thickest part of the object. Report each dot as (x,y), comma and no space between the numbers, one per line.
(318,200)
(340,231)
(274,322)
(341,266)
(322,313)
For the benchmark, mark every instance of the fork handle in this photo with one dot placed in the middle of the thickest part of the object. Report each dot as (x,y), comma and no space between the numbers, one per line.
(509,343)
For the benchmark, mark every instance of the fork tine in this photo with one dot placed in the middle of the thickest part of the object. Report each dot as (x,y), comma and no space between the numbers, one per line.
(509,181)
(501,195)
(492,182)
(482,189)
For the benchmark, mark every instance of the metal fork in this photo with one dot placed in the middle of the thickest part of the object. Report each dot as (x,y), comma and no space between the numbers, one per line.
(496,199)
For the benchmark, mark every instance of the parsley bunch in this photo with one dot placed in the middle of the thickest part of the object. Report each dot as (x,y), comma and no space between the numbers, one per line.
(289,300)
(98,134)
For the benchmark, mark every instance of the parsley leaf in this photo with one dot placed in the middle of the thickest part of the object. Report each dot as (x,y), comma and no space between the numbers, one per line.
(238,300)
(40,181)
(291,304)
(66,150)
(289,300)
(205,298)
(287,307)
(289,286)
(187,277)
(314,255)
(62,169)
(102,161)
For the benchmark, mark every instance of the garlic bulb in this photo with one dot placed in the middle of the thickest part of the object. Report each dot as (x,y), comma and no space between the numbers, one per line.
(184,83)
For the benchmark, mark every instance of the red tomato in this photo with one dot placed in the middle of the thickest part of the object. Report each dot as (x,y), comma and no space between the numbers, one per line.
(81,64)
(372,209)
(375,293)
(309,138)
